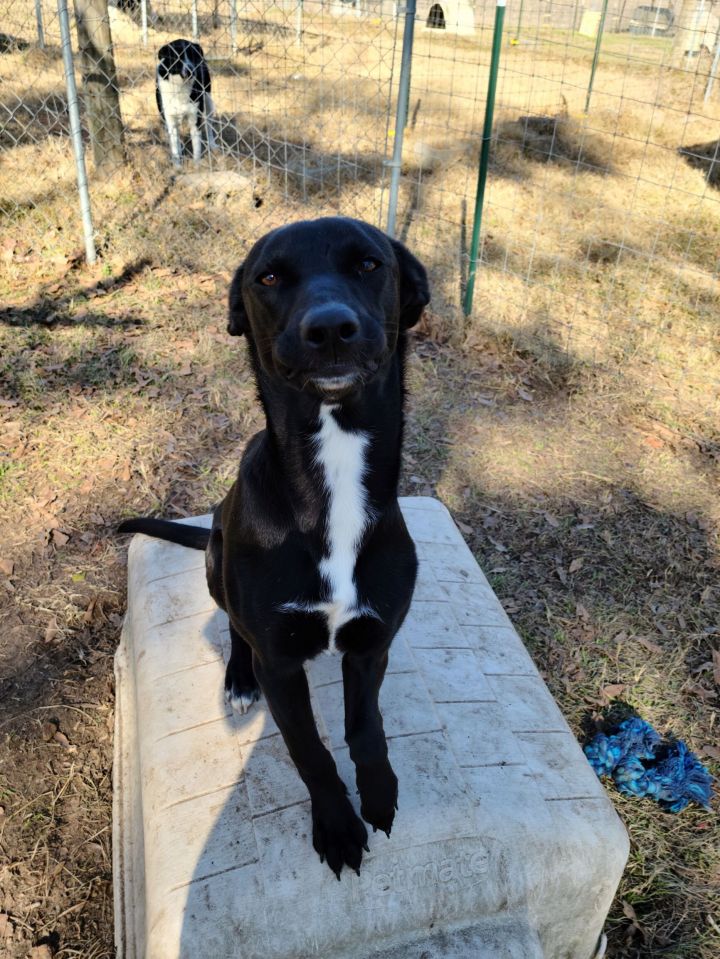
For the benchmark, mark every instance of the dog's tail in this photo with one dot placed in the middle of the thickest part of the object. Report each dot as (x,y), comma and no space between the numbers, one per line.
(194,537)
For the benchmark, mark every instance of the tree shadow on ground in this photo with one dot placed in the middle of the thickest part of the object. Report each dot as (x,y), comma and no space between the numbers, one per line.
(303,168)
(11,44)
(48,310)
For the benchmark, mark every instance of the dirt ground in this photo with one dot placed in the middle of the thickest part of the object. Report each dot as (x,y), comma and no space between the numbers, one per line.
(570,424)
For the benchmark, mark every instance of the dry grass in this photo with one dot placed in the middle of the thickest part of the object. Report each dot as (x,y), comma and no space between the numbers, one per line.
(570,423)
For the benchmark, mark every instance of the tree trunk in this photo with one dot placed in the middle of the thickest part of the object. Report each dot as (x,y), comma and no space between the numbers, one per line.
(102,101)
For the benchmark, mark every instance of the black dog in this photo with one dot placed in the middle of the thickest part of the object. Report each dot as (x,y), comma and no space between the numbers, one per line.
(182,91)
(309,551)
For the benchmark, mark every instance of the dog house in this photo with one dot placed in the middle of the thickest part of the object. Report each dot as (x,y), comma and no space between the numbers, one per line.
(505,844)
(454,16)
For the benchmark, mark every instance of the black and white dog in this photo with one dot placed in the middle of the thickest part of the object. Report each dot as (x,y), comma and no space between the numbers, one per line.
(182,91)
(309,552)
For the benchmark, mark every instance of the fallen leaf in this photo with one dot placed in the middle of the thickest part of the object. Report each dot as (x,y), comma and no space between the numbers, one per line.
(654,442)
(62,739)
(464,528)
(51,632)
(6,928)
(105,463)
(498,546)
(649,644)
(576,565)
(582,611)
(43,952)
(613,690)
(562,575)
(551,520)
(48,730)
(711,752)
(629,911)
(185,370)
(58,537)
(716,665)
(524,395)
(6,567)
(702,692)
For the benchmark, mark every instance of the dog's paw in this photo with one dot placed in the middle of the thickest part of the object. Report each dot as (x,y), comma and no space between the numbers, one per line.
(339,835)
(239,692)
(378,788)
(242,701)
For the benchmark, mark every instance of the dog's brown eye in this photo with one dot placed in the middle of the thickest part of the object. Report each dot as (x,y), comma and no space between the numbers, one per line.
(268,279)
(368,265)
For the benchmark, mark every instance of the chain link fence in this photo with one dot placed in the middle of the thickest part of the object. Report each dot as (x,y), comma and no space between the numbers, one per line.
(601,233)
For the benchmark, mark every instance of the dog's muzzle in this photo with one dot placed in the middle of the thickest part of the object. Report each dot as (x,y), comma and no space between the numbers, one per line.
(330,350)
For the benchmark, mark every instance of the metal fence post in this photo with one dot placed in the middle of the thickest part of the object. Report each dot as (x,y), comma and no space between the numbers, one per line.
(713,69)
(76,132)
(403,99)
(194,14)
(596,55)
(39,19)
(233,26)
(484,154)
(298,22)
(144,21)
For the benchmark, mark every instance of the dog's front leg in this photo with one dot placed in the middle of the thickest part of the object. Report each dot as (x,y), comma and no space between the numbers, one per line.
(209,117)
(365,735)
(173,129)
(338,834)
(196,137)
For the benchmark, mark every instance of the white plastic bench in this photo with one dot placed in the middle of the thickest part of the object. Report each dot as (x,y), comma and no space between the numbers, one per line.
(505,845)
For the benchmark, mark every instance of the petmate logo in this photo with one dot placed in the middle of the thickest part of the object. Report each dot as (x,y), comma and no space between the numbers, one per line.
(466,868)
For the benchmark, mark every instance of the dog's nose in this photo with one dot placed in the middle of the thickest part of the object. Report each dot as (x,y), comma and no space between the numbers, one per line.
(329,325)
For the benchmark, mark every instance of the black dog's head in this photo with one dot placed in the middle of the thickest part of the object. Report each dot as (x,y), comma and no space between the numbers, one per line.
(179,58)
(324,302)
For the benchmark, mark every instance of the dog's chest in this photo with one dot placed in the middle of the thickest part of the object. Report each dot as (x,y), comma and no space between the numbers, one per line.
(176,93)
(341,457)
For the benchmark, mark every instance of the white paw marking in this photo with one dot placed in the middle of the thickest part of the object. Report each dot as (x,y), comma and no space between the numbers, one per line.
(243,702)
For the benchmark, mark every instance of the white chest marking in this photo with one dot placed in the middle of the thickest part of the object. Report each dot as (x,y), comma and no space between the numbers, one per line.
(342,457)
(176,98)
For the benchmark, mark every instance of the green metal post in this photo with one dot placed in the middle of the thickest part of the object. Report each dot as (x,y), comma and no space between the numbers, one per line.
(596,55)
(484,153)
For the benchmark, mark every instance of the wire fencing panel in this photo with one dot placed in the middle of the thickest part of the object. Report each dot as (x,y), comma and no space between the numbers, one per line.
(302,97)
(601,233)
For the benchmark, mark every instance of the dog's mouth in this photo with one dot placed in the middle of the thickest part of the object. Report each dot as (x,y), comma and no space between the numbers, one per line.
(336,385)
(332,382)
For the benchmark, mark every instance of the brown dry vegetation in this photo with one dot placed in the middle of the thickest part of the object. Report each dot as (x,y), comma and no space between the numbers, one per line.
(570,424)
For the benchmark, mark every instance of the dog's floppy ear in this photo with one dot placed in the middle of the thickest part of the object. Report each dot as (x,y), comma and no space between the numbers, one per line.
(237,314)
(414,288)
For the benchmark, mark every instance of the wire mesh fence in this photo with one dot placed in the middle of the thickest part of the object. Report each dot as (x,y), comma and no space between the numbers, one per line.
(601,233)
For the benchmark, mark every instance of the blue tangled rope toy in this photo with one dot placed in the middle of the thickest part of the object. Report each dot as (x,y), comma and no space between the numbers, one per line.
(641,764)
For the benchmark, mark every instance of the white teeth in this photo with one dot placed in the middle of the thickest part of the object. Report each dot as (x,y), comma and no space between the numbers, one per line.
(334,382)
